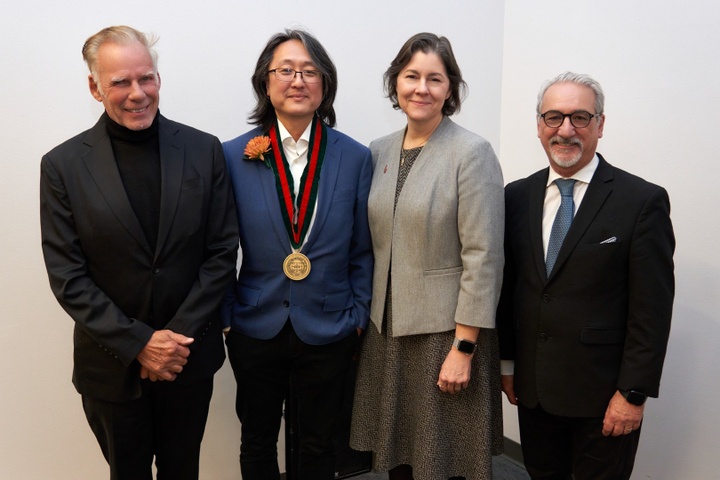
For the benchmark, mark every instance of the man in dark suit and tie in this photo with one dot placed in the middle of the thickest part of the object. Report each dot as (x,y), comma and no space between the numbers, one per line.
(303,290)
(587,297)
(140,241)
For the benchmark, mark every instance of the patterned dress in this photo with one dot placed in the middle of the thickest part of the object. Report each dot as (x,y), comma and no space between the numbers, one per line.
(401,415)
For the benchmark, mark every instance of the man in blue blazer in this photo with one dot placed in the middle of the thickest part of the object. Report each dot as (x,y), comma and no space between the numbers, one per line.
(303,291)
(140,241)
(586,318)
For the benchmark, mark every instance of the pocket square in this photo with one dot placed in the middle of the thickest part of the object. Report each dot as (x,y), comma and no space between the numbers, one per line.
(610,240)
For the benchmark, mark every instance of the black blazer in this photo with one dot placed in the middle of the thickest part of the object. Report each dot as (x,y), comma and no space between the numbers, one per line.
(103,271)
(601,321)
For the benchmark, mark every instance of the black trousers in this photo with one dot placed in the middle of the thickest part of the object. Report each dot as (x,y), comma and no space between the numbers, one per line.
(263,370)
(167,422)
(570,448)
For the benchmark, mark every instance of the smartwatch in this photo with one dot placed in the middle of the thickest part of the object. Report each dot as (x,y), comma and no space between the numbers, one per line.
(465,346)
(633,397)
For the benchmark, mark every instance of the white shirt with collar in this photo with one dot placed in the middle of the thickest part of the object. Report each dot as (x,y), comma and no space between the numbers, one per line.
(552,196)
(296,153)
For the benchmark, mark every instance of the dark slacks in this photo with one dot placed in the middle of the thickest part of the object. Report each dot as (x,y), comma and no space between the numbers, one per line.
(263,370)
(167,422)
(569,448)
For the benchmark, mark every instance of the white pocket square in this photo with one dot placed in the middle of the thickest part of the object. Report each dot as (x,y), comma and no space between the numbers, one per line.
(610,240)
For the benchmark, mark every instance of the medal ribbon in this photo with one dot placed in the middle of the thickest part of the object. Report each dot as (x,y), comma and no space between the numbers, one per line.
(297,220)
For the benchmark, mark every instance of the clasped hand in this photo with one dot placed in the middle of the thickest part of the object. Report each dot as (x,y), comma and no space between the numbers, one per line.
(164,356)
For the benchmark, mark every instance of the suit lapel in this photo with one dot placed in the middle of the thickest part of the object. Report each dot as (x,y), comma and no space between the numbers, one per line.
(435,147)
(536,200)
(100,162)
(387,170)
(171,175)
(326,188)
(386,157)
(424,169)
(598,191)
(266,179)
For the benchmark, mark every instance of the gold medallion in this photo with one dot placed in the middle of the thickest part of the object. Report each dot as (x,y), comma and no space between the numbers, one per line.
(296,266)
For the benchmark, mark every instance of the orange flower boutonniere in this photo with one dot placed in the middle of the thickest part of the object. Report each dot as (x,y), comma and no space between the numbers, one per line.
(256,149)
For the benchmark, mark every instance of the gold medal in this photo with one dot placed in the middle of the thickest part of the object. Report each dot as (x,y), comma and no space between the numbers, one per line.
(296,266)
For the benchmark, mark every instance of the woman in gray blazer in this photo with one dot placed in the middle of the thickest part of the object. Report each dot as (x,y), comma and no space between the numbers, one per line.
(427,399)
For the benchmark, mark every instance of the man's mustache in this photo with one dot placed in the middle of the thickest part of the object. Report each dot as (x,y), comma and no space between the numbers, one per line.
(557,139)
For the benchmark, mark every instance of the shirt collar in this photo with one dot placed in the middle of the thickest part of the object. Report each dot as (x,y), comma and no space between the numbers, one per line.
(288,141)
(585,174)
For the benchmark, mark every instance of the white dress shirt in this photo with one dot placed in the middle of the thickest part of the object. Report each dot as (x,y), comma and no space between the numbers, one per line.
(552,196)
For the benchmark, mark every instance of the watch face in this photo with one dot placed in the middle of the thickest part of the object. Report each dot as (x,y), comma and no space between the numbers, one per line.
(465,346)
(636,398)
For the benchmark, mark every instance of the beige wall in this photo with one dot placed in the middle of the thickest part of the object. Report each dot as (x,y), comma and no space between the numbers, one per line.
(657,60)
(207,54)
(658,64)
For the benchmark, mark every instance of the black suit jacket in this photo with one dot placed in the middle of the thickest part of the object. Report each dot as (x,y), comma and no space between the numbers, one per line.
(601,321)
(104,273)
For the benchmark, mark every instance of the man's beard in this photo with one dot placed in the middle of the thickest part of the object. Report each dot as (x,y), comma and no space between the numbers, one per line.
(565,161)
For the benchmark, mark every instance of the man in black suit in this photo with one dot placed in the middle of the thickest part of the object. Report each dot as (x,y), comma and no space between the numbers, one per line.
(587,325)
(140,242)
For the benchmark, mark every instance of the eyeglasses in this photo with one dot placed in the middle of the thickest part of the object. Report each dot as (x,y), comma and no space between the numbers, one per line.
(287,75)
(579,119)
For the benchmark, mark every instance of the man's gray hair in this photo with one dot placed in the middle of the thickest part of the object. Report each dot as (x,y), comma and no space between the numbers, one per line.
(121,35)
(578,79)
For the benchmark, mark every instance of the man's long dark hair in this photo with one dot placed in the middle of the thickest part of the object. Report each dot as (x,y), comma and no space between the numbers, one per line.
(264,112)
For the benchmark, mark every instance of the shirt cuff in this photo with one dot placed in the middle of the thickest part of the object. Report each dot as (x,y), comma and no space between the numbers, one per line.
(507,367)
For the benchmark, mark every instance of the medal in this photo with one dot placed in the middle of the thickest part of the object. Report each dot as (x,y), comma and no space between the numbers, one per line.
(297,212)
(296,266)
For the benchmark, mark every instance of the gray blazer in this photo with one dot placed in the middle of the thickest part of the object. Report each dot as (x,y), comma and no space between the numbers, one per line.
(443,245)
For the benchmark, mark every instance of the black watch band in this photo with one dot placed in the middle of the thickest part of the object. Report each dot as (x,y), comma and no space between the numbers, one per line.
(465,346)
(634,397)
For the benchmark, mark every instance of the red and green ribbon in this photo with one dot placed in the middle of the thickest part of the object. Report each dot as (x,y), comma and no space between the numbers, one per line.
(297,219)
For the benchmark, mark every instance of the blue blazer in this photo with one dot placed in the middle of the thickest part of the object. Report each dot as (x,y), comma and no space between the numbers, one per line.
(334,300)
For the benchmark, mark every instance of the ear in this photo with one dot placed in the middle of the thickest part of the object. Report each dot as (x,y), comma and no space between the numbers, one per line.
(601,125)
(158,79)
(94,90)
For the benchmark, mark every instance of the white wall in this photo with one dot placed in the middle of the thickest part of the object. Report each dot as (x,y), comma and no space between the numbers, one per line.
(658,63)
(207,53)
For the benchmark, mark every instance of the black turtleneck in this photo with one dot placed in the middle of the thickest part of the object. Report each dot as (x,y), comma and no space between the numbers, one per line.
(137,154)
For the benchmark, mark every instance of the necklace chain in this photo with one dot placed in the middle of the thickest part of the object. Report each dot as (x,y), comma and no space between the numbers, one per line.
(404,152)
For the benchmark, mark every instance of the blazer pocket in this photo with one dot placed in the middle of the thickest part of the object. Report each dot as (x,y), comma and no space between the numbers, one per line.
(599,260)
(600,248)
(248,295)
(602,336)
(443,271)
(192,183)
(334,302)
(438,299)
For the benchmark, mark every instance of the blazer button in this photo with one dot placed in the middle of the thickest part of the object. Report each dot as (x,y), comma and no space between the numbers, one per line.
(156,270)
(546,298)
(286,303)
(543,337)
